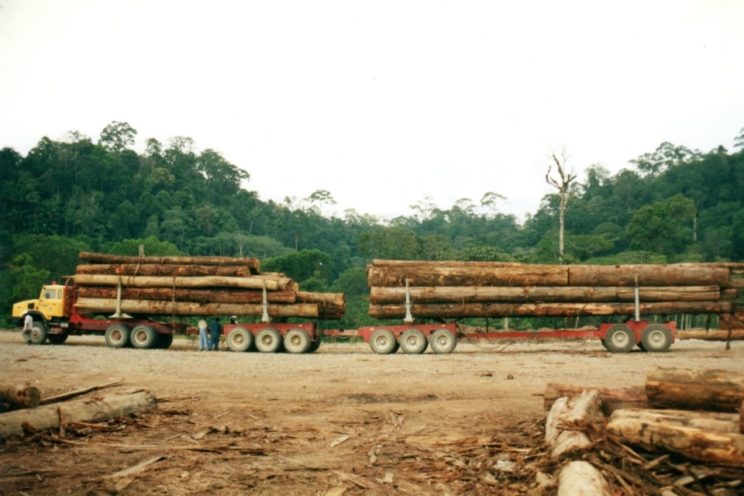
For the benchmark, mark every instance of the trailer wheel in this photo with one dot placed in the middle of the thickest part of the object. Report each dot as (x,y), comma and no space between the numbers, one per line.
(296,341)
(143,336)
(239,339)
(268,341)
(57,338)
(164,341)
(656,338)
(413,342)
(383,342)
(442,341)
(117,336)
(314,345)
(38,334)
(619,339)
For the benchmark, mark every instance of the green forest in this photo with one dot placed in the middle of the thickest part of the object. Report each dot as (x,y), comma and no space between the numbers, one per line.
(671,204)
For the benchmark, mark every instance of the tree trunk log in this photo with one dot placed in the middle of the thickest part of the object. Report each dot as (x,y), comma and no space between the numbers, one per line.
(711,389)
(574,423)
(648,275)
(704,436)
(272,283)
(467,275)
(330,305)
(580,478)
(253,263)
(711,335)
(545,309)
(19,396)
(192,295)
(612,399)
(154,307)
(542,294)
(165,270)
(83,410)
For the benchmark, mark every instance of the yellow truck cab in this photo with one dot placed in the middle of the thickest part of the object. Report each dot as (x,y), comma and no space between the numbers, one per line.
(50,305)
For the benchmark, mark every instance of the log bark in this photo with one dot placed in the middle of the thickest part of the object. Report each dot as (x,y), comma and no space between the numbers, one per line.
(272,283)
(330,305)
(573,424)
(154,307)
(711,334)
(467,275)
(19,396)
(648,275)
(253,263)
(580,478)
(545,309)
(708,437)
(193,295)
(612,399)
(542,294)
(166,270)
(83,410)
(708,389)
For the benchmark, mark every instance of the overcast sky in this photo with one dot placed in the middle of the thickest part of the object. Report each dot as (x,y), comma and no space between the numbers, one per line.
(379,102)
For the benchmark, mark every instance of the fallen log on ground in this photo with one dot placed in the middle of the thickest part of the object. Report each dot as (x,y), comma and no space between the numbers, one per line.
(574,424)
(542,294)
(77,392)
(453,310)
(270,282)
(709,389)
(155,307)
(253,263)
(580,478)
(82,410)
(166,270)
(193,295)
(704,436)
(19,396)
(611,399)
(711,334)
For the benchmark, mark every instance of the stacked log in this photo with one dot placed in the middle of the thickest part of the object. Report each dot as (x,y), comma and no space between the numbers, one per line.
(194,286)
(496,289)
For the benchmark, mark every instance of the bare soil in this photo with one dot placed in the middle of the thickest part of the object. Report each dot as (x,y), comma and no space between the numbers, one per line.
(339,421)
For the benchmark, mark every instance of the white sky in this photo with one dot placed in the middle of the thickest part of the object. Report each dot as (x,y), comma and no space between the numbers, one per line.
(381,102)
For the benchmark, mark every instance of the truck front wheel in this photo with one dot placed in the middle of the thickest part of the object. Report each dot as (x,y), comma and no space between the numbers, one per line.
(38,334)
(117,336)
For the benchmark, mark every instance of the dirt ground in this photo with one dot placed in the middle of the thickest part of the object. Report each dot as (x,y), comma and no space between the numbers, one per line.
(342,421)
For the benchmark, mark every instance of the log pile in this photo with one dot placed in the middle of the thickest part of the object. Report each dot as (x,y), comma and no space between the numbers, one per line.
(181,286)
(654,437)
(496,289)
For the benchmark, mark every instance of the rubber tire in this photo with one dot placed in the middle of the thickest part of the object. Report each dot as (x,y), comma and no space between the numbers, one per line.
(117,336)
(164,341)
(268,341)
(383,342)
(296,341)
(143,337)
(413,342)
(38,333)
(442,341)
(239,339)
(651,338)
(314,345)
(619,339)
(57,338)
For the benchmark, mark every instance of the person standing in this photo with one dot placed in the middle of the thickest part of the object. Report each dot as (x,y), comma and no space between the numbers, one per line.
(215,329)
(28,326)
(203,339)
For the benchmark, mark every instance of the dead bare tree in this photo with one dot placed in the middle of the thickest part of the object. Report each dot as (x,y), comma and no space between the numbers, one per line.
(561,179)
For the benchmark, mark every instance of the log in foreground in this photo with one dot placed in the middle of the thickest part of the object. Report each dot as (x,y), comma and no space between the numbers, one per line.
(542,294)
(165,270)
(580,478)
(83,410)
(193,295)
(270,282)
(19,396)
(612,399)
(546,309)
(253,263)
(154,307)
(708,389)
(573,424)
(704,436)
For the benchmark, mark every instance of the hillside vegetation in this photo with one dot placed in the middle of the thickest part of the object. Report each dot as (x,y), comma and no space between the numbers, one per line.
(673,204)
